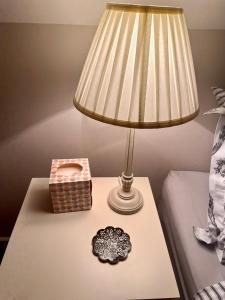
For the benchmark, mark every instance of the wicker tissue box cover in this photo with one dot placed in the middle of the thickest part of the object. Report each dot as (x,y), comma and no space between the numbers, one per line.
(70,185)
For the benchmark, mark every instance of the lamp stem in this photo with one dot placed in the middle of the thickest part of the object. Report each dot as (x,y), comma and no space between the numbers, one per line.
(127,175)
(123,199)
(129,152)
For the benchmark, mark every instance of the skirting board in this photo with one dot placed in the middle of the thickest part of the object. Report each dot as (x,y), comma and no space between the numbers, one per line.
(4,239)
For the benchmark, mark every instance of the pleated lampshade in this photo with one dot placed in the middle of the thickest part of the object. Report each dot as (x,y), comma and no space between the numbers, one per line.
(139,72)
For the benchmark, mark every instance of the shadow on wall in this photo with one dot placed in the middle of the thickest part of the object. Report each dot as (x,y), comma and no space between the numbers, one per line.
(40,66)
(208,47)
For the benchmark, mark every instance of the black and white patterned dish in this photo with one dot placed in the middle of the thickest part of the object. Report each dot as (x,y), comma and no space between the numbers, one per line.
(111,245)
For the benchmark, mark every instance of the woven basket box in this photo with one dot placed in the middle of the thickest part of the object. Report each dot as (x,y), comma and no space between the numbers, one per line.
(70,185)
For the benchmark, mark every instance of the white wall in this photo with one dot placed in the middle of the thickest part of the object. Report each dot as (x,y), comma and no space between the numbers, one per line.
(200,14)
(40,66)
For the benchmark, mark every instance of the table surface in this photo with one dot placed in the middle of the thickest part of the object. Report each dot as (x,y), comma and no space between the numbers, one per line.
(49,256)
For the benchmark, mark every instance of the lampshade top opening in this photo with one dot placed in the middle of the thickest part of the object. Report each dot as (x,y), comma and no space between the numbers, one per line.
(143,8)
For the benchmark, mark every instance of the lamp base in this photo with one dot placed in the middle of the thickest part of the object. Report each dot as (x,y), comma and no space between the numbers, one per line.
(125,203)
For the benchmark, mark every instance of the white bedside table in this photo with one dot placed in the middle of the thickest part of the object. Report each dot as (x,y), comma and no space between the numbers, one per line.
(49,256)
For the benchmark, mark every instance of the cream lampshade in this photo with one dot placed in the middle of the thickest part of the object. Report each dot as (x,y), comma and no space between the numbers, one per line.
(139,73)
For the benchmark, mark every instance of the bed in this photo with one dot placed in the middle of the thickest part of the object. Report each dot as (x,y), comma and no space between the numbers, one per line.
(184,203)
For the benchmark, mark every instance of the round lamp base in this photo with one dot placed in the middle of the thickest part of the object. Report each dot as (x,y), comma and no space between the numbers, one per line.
(125,203)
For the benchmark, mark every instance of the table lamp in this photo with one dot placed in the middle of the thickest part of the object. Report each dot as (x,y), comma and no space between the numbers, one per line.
(139,73)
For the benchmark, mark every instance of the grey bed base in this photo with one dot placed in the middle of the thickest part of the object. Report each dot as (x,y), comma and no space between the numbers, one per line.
(184,203)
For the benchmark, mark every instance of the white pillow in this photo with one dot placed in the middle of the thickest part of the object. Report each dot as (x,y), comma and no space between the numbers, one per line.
(215,233)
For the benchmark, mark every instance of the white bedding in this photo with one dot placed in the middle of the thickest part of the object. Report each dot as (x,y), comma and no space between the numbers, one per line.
(184,204)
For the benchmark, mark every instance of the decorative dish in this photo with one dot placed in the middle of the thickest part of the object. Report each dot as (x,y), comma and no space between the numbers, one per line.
(111,245)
